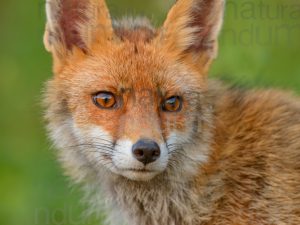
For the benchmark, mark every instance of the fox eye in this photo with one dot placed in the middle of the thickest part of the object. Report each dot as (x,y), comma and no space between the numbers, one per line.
(104,100)
(173,104)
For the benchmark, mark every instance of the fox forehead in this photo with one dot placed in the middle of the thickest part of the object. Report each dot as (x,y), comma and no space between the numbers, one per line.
(130,66)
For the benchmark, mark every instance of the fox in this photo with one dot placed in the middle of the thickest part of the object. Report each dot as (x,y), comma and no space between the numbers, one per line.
(150,138)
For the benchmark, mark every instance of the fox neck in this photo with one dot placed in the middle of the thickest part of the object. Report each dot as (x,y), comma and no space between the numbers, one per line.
(153,203)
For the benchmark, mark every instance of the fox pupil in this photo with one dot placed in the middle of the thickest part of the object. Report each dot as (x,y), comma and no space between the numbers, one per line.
(106,99)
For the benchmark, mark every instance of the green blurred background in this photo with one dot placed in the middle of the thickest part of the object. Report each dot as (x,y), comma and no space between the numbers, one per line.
(260,47)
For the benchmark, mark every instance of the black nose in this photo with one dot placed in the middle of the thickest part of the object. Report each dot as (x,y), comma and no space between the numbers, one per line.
(146,151)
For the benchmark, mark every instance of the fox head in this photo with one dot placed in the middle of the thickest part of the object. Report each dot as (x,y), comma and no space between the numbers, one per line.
(126,98)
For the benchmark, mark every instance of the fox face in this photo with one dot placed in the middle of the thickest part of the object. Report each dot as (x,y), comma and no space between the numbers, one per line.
(126,98)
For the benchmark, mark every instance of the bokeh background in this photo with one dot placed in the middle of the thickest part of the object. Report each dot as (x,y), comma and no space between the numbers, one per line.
(259,47)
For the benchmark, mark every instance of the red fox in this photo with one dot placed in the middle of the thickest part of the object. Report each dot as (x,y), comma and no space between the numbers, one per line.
(155,142)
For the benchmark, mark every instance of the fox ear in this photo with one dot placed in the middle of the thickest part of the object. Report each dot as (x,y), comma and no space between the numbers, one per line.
(75,25)
(192,28)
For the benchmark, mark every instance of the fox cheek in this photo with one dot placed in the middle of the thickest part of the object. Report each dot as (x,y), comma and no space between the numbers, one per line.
(93,136)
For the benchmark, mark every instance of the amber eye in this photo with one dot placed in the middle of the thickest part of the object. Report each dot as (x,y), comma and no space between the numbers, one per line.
(173,104)
(104,100)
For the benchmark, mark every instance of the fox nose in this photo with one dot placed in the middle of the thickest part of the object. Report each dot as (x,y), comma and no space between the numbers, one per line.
(146,151)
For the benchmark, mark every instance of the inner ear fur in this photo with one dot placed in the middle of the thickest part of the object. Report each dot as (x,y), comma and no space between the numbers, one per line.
(74,25)
(191,29)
